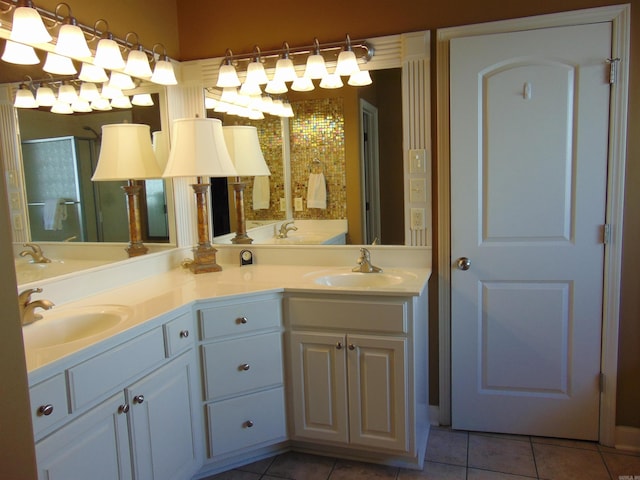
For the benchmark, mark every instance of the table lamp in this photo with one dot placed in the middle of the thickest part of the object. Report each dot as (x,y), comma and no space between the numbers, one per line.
(198,150)
(244,148)
(126,154)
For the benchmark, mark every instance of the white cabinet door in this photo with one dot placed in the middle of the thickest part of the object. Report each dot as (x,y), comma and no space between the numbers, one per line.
(319,372)
(377,396)
(95,445)
(161,419)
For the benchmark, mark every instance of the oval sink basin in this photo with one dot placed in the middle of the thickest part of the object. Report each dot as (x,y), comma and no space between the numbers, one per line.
(357,279)
(62,327)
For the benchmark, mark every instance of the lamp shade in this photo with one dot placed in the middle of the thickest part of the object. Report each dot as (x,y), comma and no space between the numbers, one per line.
(126,153)
(59,65)
(28,26)
(244,148)
(161,147)
(71,42)
(19,54)
(198,149)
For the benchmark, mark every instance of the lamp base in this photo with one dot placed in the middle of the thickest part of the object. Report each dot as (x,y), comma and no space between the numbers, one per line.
(136,249)
(242,239)
(204,260)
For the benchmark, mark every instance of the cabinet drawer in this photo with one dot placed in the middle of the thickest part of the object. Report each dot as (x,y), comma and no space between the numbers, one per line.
(239,318)
(178,334)
(246,421)
(385,316)
(93,379)
(48,403)
(242,365)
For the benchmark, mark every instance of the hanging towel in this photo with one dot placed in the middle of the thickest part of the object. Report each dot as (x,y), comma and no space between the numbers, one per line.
(261,192)
(317,191)
(55,211)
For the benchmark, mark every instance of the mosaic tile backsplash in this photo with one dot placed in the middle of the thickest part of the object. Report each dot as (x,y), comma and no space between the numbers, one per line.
(270,135)
(317,145)
(317,133)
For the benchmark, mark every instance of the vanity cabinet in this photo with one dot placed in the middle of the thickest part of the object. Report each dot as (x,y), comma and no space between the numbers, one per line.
(129,412)
(241,355)
(355,366)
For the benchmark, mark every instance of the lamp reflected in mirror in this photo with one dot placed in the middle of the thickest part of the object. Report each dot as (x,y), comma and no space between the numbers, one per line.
(244,148)
(126,153)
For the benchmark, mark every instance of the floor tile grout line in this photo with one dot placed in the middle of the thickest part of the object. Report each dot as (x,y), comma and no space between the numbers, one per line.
(466,472)
(533,455)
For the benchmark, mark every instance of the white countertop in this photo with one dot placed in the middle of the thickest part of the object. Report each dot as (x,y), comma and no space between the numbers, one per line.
(151,298)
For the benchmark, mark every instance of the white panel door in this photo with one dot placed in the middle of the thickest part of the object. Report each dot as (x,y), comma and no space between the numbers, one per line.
(529,134)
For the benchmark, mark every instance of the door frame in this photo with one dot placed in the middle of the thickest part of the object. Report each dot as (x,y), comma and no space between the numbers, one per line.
(370,171)
(619,16)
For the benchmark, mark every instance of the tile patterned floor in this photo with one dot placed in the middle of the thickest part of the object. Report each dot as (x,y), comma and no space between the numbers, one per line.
(455,455)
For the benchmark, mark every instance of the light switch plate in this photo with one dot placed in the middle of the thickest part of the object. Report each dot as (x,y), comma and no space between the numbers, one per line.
(283,205)
(418,161)
(417,190)
(298,204)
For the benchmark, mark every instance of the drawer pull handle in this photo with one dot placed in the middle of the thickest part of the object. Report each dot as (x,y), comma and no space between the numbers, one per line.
(352,346)
(184,333)
(339,345)
(245,367)
(248,424)
(241,320)
(45,410)
(123,408)
(138,399)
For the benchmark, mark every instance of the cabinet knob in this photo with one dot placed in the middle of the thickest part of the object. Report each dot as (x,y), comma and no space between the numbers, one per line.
(123,408)
(241,320)
(339,345)
(245,367)
(138,399)
(248,424)
(352,346)
(184,333)
(45,410)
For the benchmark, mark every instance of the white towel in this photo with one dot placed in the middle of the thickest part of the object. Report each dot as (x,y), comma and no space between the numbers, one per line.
(55,211)
(317,191)
(261,192)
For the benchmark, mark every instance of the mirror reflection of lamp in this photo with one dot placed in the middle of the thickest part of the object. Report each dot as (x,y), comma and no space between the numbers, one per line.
(198,150)
(244,148)
(126,153)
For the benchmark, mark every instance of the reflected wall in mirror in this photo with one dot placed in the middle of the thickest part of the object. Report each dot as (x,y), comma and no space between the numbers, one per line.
(59,154)
(351,137)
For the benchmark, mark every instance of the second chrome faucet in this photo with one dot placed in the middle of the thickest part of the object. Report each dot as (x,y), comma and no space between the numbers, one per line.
(364,263)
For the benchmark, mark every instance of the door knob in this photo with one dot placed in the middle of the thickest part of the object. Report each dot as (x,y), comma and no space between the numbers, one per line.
(463,263)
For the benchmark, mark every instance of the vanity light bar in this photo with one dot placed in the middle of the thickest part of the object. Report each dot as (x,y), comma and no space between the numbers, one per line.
(54,20)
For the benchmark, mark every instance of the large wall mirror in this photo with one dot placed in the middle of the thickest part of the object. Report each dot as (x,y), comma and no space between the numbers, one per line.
(49,159)
(358,137)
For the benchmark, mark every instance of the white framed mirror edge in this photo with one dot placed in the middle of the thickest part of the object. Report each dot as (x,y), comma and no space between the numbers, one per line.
(408,51)
(11,155)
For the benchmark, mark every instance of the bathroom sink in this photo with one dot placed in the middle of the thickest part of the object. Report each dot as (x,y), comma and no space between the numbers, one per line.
(357,279)
(66,326)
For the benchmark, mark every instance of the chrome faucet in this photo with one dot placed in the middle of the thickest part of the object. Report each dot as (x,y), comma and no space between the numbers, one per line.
(35,253)
(27,307)
(364,263)
(285,228)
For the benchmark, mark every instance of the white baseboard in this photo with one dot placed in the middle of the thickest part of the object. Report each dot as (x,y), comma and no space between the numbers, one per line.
(628,438)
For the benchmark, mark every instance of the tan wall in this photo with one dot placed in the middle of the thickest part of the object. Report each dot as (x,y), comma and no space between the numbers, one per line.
(207,29)
(153,20)
(17,454)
